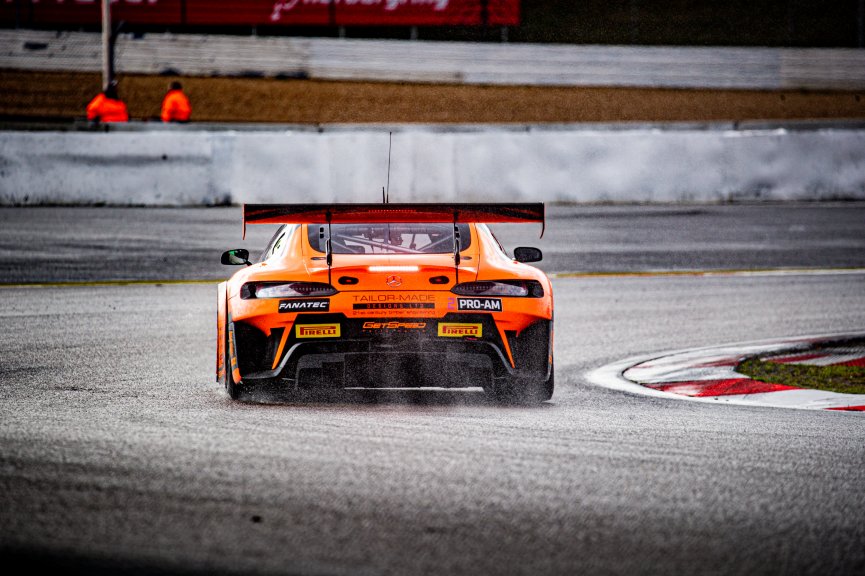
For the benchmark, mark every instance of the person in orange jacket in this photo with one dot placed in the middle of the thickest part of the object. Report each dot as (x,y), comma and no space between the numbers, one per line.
(175,105)
(107,106)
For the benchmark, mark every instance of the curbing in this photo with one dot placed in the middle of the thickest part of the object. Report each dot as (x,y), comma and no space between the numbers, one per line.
(703,370)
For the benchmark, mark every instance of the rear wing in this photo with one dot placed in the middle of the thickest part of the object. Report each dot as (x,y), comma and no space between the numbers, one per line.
(392,213)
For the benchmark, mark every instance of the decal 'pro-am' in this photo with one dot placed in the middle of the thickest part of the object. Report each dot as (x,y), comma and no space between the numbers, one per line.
(480,304)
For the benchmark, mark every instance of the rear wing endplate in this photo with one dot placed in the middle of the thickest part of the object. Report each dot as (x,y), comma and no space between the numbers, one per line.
(392,213)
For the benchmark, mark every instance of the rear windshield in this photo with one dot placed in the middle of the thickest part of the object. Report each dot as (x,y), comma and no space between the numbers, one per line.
(424,238)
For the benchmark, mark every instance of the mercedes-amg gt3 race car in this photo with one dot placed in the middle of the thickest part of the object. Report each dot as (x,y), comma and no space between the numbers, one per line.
(387,296)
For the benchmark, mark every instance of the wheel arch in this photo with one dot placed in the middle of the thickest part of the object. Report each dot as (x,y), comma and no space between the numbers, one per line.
(221,336)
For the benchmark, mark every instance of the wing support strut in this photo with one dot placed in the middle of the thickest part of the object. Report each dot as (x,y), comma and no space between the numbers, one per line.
(328,247)
(456,246)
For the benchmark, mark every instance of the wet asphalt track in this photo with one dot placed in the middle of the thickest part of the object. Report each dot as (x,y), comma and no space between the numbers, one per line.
(75,244)
(118,453)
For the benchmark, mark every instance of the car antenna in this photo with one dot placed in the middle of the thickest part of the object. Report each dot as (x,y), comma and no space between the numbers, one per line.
(385,193)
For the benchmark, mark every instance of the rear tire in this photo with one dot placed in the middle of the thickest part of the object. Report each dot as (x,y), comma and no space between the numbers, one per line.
(520,390)
(235,390)
(531,352)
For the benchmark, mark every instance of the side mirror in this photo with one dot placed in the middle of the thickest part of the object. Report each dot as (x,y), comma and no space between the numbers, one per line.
(525,254)
(236,257)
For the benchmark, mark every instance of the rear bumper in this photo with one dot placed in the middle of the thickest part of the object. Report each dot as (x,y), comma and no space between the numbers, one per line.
(365,356)
(365,363)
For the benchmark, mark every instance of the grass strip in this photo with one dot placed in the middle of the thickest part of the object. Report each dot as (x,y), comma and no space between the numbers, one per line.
(843,379)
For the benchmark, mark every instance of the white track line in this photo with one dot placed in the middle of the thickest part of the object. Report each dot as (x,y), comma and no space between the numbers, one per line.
(752,273)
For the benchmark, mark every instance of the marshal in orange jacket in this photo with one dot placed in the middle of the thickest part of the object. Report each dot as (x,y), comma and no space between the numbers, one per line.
(105,109)
(176,107)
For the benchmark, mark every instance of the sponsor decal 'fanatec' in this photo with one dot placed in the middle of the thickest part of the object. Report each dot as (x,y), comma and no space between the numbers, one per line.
(394,325)
(483,304)
(317,330)
(304,305)
(393,305)
(458,330)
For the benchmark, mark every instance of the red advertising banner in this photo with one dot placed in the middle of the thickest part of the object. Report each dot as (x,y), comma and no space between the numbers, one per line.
(503,12)
(64,12)
(265,12)
(409,13)
(336,12)
(257,12)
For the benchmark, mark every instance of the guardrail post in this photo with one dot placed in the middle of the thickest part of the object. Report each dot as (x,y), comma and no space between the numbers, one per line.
(107,75)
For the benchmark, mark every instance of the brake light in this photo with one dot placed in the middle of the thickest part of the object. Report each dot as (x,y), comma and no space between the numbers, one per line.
(286,290)
(514,288)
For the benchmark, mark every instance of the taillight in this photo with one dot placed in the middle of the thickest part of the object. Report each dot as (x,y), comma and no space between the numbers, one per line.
(515,288)
(286,290)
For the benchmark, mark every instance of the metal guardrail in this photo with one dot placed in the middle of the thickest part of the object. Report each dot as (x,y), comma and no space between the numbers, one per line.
(443,62)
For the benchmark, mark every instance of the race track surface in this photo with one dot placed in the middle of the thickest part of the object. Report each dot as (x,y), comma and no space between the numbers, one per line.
(63,244)
(119,453)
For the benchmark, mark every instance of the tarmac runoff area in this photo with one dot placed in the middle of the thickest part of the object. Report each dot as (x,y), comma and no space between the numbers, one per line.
(709,374)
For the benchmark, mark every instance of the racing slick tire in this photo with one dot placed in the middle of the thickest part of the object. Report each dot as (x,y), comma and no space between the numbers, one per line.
(231,386)
(521,390)
(234,389)
(534,379)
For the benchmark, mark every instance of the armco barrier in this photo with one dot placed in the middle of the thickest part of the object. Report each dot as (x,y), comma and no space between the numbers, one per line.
(571,164)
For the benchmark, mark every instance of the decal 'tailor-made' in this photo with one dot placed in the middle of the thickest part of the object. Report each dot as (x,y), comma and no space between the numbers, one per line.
(395,298)
(394,306)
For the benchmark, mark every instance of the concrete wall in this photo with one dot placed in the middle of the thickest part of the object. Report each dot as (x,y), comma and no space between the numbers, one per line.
(449,62)
(574,164)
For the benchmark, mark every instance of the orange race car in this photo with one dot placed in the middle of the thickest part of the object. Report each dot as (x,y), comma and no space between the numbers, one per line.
(387,295)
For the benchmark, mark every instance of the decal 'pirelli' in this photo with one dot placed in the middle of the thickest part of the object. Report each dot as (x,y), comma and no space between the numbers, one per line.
(316,330)
(458,330)
(304,305)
